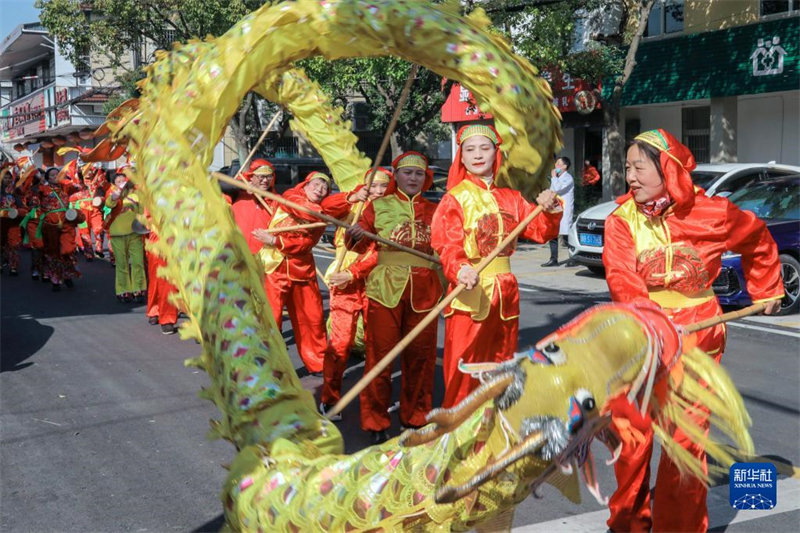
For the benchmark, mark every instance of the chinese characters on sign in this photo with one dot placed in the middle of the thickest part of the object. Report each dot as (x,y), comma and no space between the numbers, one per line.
(570,94)
(753,486)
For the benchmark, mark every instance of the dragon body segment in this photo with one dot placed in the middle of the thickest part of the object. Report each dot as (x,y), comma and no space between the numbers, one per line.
(532,419)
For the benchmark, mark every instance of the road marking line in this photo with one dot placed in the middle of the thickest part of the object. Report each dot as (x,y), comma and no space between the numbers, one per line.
(768,330)
(719,509)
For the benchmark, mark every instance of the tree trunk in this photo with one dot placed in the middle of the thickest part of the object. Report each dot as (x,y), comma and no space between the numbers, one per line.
(613,141)
(394,144)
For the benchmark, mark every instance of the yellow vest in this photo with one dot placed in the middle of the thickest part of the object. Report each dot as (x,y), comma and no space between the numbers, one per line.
(389,278)
(652,234)
(476,202)
(270,256)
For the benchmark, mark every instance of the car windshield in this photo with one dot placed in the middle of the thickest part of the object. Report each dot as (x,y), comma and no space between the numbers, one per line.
(704,178)
(778,200)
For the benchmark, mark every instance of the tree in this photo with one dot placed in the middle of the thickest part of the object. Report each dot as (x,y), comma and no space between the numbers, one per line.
(115,28)
(545,31)
(379,82)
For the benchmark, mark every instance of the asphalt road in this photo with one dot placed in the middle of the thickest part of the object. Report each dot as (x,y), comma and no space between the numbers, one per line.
(101,428)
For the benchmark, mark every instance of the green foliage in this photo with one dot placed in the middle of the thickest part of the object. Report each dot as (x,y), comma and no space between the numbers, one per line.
(112,27)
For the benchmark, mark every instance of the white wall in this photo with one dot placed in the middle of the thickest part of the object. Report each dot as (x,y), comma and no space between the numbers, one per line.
(768,128)
(569,145)
(666,117)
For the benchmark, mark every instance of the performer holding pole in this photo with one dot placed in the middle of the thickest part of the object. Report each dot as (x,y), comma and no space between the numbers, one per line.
(249,211)
(291,280)
(664,243)
(482,323)
(348,300)
(128,247)
(401,289)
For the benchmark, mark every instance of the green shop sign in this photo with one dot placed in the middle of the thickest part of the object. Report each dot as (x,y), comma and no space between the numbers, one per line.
(752,59)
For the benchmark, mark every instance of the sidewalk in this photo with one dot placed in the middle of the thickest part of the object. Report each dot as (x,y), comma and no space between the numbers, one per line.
(526,265)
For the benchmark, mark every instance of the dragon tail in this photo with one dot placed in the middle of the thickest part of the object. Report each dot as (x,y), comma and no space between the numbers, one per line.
(694,399)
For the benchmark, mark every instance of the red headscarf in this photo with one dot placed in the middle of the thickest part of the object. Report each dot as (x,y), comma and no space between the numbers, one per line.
(457,170)
(256,164)
(412,159)
(676,162)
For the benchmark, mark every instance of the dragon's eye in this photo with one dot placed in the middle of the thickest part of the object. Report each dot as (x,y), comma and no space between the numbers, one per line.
(554,353)
(585,399)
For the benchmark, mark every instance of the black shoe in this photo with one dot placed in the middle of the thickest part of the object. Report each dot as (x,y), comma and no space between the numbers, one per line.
(13,273)
(89,258)
(153,320)
(34,275)
(324,408)
(378,437)
(45,279)
(56,287)
(139,297)
(68,283)
(168,329)
(551,263)
(127,298)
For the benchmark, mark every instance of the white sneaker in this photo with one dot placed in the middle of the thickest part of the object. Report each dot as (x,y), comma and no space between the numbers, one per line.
(324,408)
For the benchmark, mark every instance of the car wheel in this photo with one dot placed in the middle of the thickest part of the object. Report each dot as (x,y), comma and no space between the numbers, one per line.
(790,270)
(601,271)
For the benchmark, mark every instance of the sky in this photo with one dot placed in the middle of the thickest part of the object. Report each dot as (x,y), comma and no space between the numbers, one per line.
(15,12)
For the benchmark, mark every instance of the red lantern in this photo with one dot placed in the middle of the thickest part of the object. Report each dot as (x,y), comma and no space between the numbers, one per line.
(59,140)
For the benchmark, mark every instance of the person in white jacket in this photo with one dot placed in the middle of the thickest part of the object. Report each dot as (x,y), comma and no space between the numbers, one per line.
(563,184)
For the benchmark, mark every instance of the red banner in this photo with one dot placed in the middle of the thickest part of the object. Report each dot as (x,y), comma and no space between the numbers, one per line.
(460,106)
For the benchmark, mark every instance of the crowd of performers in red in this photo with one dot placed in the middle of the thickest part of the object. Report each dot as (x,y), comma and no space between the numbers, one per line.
(664,244)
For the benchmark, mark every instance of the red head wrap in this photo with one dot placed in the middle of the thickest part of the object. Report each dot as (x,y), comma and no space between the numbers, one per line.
(266,168)
(676,162)
(416,160)
(457,170)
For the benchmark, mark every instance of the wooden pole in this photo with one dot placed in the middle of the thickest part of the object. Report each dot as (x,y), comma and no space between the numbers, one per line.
(733,315)
(297,227)
(382,149)
(430,317)
(327,218)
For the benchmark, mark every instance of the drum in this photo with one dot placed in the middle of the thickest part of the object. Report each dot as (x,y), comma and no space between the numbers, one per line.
(10,212)
(71,215)
(138,227)
(97,201)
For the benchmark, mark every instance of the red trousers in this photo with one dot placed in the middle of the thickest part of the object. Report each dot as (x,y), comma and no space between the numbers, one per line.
(304,303)
(345,307)
(492,340)
(679,502)
(158,293)
(385,327)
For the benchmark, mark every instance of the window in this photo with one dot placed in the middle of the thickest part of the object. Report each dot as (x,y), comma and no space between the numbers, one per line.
(665,17)
(697,131)
(773,7)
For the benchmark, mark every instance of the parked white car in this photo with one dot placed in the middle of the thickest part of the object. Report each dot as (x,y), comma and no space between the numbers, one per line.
(585,240)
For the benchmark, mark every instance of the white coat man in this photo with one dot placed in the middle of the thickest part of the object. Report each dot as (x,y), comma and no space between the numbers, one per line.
(562,183)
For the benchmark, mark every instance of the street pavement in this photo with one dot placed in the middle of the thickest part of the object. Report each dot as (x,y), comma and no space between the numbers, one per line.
(101,428)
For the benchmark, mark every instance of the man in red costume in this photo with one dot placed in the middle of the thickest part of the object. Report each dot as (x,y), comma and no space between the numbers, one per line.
(348,299)
(288,261)
(482,324)
(160,308)
(664,244)
(248,211)
(401,289)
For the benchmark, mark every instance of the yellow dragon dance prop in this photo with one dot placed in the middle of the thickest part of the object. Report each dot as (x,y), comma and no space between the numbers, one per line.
(532,419)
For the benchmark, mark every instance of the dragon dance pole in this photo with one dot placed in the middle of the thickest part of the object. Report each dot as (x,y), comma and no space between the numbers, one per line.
(298,227)
(382,150)
(430,317)
(733,315)
(327,218)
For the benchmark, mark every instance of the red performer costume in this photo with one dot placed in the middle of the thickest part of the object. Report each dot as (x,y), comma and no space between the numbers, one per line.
(401,288)
(160,308)
(82,201)
(29,183)
(57,227)
(348,298)
(97,184)
(291,280)
(11,213)
(482,323)
(664,243)
(248,212)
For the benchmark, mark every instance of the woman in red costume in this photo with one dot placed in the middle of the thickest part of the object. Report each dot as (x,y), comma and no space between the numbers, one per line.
(288,261)
(348,299)
(90,201)
(30,182)
(482,324)
(248,212)
(664,243)
(401,289)
(57,226)
(160,293)
(11,213)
